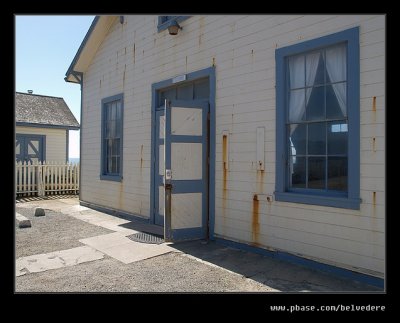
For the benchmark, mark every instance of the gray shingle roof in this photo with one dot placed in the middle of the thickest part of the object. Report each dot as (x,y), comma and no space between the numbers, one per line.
(43,110)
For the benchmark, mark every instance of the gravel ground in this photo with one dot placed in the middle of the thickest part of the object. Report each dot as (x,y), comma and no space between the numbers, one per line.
(171,272)
(52,232)
(196,267)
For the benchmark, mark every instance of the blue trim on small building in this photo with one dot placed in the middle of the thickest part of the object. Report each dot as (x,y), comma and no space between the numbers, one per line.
(42,143)
(45,125)
(164,23)
(103,175)
(346,273)
(352,200)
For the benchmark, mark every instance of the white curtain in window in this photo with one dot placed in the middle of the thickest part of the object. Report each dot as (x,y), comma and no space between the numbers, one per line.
(336,67)
(298,101)
(312,62)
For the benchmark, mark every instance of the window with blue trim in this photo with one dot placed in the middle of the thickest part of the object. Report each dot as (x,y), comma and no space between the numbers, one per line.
(318,121)
(164,21)
(112,129)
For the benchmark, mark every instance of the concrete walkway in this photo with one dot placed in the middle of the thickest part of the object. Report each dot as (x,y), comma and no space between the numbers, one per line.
(104,259)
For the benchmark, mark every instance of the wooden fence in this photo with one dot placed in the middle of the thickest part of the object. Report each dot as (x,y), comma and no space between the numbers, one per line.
(40,179)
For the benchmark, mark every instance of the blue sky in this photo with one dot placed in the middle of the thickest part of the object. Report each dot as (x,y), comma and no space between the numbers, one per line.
(45,47)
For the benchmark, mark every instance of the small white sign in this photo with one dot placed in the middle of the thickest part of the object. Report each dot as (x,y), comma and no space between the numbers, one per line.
(168,174)
(179,78)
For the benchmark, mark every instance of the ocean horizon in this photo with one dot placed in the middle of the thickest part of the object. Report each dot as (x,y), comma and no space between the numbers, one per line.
(74,160)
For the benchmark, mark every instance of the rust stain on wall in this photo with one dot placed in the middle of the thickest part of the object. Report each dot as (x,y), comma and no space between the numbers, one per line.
(225,178)
(224,158)
(213,61)
(141,157)
(255,224)
(374,109)
(374,144)
(123,77)
(374,204)
(260,181)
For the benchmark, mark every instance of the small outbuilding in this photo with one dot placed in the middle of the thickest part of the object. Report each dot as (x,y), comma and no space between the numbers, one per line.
(42,128)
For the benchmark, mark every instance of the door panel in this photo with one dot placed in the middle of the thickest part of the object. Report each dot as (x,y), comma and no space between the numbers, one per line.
(186,152)
(159,171)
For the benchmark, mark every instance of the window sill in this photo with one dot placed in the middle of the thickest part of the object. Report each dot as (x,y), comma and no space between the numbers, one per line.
(332,201)
(114,178)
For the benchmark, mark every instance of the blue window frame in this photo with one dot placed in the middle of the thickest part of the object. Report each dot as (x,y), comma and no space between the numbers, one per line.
(164,21)
(111,138)
(318,121)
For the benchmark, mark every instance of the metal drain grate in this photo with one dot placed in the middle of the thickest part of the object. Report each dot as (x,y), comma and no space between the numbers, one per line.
(146,238)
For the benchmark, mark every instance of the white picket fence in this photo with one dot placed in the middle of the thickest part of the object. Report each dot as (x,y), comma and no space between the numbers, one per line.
(47,178)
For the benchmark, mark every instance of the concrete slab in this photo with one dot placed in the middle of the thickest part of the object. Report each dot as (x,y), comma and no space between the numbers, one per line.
(23,222)
(106,240)
(123,249)
(55,260)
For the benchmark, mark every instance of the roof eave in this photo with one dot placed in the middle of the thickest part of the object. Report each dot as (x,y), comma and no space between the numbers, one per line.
(70,70)
(88,48)
(46,125)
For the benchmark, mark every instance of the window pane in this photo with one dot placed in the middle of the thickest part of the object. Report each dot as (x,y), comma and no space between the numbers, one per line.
(337,138)
(297,105)
(316,172)
(112,128)
(201,89)
(317,139)
(114,111)
(315,103)
(118,115)
(298,172)
(168,94)
(336,101)
(109,164)
(336,63)
(109,111)
(315,69)
(116,147)
(115,165)
(296,72)
(185,92)
(337,173)
(297,139)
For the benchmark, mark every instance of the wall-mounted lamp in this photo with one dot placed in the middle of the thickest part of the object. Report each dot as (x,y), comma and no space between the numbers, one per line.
(174,27)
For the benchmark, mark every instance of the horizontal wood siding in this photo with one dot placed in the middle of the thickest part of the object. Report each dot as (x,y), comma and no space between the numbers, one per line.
(55,141)
(134,55)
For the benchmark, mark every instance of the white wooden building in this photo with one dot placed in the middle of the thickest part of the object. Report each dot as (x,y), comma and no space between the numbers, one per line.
(42,128)
(270,129)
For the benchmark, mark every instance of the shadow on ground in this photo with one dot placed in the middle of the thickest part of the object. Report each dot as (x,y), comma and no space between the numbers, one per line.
(278,274)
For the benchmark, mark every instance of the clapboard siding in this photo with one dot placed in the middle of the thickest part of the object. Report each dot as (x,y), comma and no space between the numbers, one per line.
(56,141)
(134,55)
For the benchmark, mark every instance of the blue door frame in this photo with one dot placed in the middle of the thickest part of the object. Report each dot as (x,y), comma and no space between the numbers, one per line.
(156,87)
